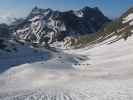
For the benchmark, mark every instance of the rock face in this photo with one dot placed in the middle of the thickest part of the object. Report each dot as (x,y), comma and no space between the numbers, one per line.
(127,17)
(7,46)
(4,31)
(48,26)
(5,43)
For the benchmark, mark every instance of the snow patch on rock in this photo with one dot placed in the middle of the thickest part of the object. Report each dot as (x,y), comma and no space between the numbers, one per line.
(128,18)
(79,14)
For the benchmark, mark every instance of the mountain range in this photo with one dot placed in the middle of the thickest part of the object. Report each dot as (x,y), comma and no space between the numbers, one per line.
(51,25)
(43,26)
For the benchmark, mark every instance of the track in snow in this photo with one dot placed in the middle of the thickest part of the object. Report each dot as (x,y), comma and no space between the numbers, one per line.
(52,94)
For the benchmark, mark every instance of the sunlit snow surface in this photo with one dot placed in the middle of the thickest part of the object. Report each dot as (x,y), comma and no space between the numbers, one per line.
(103,72)
(100,72)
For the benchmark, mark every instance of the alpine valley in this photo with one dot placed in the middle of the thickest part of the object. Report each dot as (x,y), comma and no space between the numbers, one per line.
(67,55)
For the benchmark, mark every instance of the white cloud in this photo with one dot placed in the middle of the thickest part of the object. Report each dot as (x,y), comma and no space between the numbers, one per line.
(7,16)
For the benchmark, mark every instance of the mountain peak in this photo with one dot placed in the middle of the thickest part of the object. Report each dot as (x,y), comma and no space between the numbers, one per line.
(40,9)
(130,10)
(61,24)
(86,8)
(35,8)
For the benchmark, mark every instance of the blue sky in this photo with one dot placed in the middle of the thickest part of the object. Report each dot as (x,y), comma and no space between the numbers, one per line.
(18,8)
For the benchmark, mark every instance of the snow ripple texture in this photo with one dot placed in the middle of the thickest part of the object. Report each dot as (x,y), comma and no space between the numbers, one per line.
(54,94)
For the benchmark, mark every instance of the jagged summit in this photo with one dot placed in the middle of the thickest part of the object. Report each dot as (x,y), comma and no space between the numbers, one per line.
(56,25)
(36,10)
(87,8)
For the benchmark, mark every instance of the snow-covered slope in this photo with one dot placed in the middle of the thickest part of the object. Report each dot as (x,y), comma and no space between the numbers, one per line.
(16,54)
(102,71)
(128,18)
